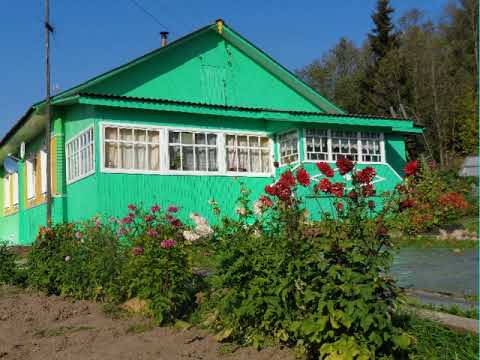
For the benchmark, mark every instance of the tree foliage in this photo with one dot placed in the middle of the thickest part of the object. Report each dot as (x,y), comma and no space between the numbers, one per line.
(428,67)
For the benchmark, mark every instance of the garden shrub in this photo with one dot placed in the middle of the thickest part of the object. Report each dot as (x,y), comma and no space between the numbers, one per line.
(9,271)
(430,198)
(158,267)
(320,287)
(82,260)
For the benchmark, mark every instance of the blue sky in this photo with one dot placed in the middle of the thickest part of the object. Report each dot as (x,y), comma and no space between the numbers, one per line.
(94,36)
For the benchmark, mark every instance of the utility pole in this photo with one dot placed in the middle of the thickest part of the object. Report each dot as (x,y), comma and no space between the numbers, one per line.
(48,30)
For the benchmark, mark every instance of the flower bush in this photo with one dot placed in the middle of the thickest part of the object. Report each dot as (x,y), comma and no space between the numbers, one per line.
(10,273)
(429,199)
(320,287)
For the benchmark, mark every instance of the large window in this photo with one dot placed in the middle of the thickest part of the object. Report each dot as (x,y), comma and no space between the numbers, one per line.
(31,173)
(371,147)
(131,148)
(80,154)
(317,144)
(192,151)
(248,153)
(344,145)
(288,145)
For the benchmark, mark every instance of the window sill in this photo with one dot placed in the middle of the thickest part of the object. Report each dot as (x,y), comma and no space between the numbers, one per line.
(10,211)
(186,173)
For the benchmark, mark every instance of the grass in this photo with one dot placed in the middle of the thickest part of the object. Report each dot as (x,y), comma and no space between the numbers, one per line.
(114,311)
(471,313)
(62,330)
(140,327)
(431,241)
(433,341)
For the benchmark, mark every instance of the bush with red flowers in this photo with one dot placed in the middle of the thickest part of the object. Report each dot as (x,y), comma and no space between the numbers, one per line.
(316,285)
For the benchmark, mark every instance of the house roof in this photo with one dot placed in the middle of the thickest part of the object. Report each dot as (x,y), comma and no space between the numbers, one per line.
(229,35)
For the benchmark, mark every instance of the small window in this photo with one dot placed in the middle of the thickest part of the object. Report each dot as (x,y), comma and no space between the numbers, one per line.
(248,153)
(6,191)
(288,144)
(316,141)
(10,190)
(80,156)
(30,165)
(371,147)
(344,145)
(192,151)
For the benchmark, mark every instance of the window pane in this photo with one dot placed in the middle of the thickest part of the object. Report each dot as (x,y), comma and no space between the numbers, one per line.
(231,160)
(242,160)
(230,140)
(140,157)
(187,157)
(126,134)
(242,141)
(126,156)
(212,139)
(111,160)
(201,158)
(175,157)
(140,135)
(266,161)
(153,137)
(199,138)
(174,137)
(255,162)
(187,138)
(153,157)
(212,159)
(253,141)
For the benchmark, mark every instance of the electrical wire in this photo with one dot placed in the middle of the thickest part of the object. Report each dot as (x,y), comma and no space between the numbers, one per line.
(148,13)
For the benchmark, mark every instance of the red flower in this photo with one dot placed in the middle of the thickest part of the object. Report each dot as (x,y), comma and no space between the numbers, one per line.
(353,195)
(155,208)
(365,176)
(339,207)
(325,169)
(152,233)
(405,204)
(411,168)
(132,207)
(126,220)
(137,251)
(453,200)
(371,204)
(302,177)
(271,190)
(284,192)
(266,202)
(287,178)
(337,189)
(344,166)
(172,209)
(148,218)
(324,185)
(368,190)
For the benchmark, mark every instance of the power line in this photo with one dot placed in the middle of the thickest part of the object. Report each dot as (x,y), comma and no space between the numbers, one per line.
(145,11)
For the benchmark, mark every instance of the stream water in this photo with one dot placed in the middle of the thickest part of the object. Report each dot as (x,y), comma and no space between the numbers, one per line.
(437,270)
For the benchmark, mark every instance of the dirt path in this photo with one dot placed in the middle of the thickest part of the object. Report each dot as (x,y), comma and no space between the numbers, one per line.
(35,326)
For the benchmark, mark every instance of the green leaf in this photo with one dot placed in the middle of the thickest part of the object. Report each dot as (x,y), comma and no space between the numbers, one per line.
(402,341)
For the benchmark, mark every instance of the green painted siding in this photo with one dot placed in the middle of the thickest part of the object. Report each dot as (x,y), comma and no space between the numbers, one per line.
(210,70)
(395,150)
(9,226)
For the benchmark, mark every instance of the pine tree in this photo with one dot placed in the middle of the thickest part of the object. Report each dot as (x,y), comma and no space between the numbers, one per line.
(382,38)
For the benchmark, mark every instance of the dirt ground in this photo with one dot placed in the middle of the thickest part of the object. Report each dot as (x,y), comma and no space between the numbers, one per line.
(35,326)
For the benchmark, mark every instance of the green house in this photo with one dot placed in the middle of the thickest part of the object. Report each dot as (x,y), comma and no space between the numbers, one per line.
(184,124)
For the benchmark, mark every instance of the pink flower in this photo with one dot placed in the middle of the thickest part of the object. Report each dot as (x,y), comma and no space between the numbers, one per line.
(132,207)
(152,233)
(78,235)
(137,251)
(126,220)
(98,223)
(131,215)
(172,209)
(122,232)
(155,208)
(148,218)
(168,244)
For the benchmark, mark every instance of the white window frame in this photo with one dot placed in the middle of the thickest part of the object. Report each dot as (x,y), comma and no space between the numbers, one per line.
(6,191)
(359,147)
(278,135)
(329,143)
(164,151)
(15,189)
(248,148)
(78,152)
(31,173)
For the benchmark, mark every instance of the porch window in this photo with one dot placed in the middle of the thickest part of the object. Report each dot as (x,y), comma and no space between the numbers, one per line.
(30,165)
(344,145)
(80,155)
(316,144)
(192,151)
(248,153)
(371,147)
(288,145)
(10,183)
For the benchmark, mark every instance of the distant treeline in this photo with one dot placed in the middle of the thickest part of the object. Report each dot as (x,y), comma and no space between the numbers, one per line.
(428,67)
